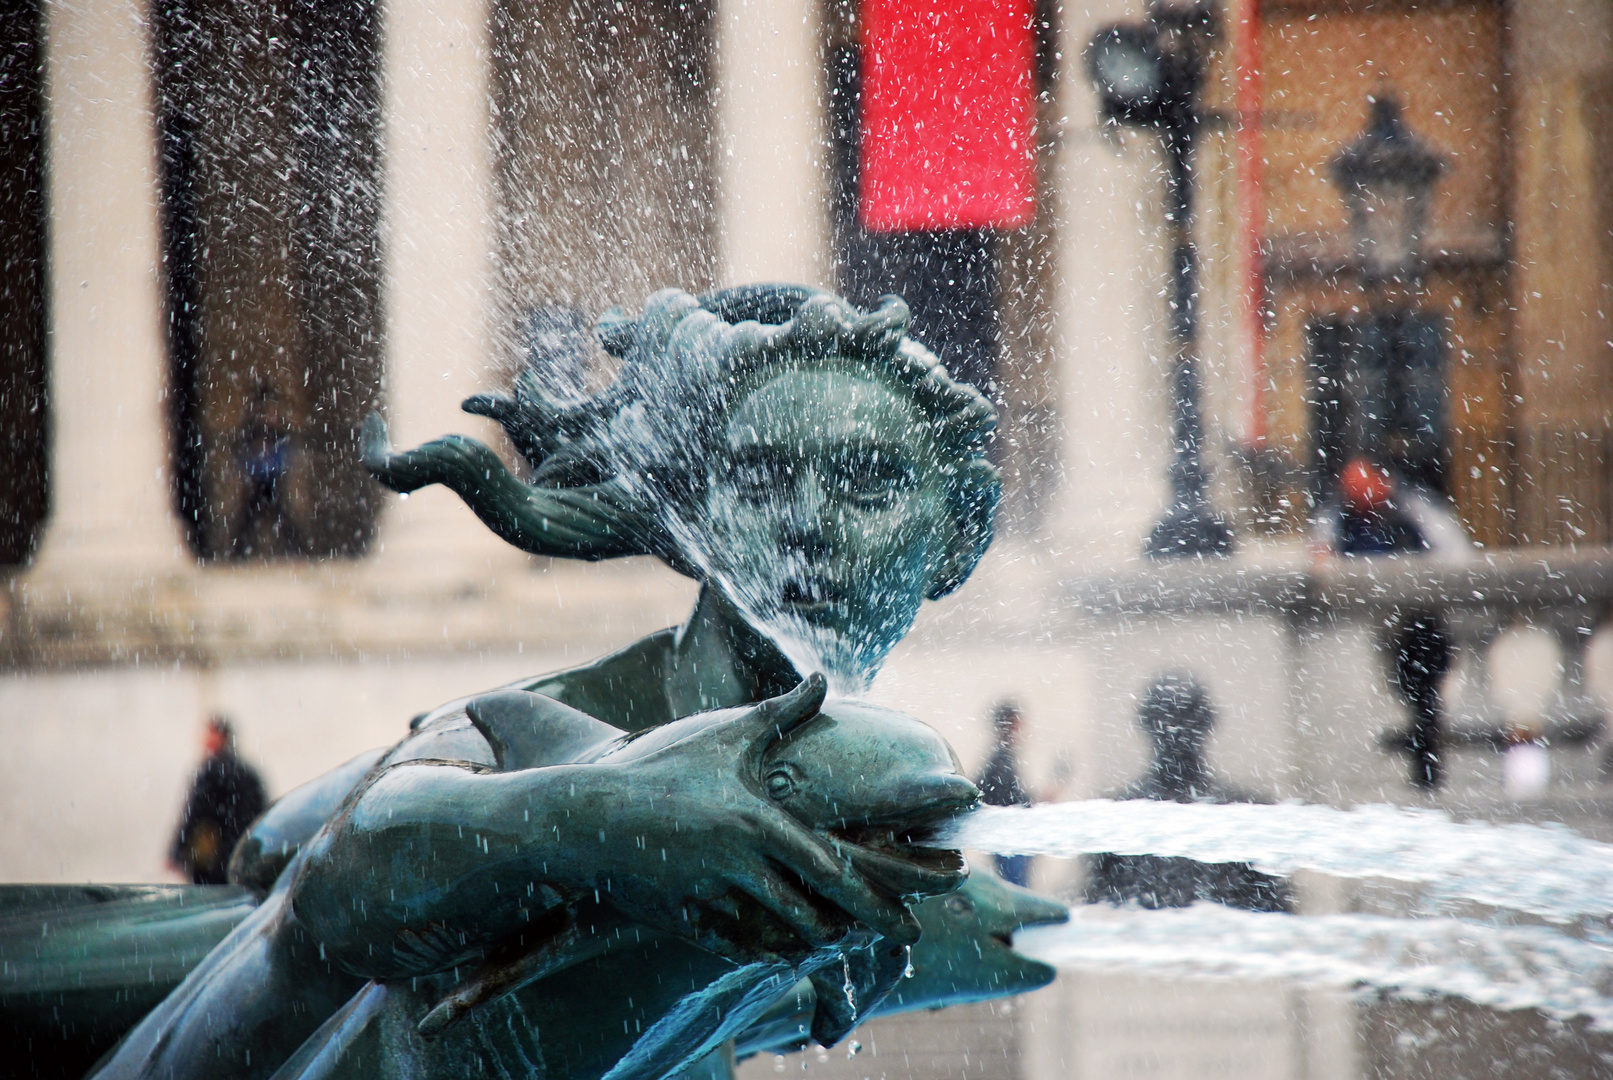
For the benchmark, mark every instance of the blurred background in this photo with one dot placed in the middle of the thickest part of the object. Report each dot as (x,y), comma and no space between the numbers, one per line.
(1296,315)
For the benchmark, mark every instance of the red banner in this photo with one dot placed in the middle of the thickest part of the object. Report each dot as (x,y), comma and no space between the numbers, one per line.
(948,114)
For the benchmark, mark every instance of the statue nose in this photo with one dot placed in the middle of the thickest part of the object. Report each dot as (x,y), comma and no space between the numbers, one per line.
(809,522)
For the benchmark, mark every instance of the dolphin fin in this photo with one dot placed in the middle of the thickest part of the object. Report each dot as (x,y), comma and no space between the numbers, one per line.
(527,730)
(845,996)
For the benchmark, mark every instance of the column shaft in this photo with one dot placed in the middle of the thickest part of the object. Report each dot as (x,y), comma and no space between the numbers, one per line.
(438,240)
(110,492)
(772,191)
(1113,357)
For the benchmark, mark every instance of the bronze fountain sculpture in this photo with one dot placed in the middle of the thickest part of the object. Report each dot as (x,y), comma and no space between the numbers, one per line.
(620,870)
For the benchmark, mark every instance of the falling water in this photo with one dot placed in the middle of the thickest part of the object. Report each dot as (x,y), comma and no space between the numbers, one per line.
(742,516)
(1502,967)
(1505,915)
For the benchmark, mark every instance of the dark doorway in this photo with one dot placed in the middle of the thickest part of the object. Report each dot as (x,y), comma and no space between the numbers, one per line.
(23,447)
(1378,390)
(270,169)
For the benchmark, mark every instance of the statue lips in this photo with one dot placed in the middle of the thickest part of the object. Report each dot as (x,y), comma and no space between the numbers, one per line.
(814,597)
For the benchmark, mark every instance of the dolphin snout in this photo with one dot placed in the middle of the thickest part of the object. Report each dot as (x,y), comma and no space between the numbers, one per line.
(947,793)
(1003,908)
(913,802)
(1033,910)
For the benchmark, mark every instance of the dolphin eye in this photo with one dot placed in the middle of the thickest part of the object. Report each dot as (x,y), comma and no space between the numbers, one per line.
(780,783)
(959,905)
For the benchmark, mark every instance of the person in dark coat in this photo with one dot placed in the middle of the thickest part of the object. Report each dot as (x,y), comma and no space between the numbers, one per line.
(1177,716)
(265,460)
(224,799)
(1000,784)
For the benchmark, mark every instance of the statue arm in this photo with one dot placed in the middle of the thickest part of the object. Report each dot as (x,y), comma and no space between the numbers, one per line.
(564,522)
(434,861)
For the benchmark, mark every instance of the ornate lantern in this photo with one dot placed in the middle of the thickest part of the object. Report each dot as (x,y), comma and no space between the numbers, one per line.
(1387,175)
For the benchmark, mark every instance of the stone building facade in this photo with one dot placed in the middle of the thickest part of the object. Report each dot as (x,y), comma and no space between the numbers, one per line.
(272,218)
(236,218)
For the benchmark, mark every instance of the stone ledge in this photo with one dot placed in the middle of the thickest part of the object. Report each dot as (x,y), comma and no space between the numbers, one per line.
(215,614)
(1289,581)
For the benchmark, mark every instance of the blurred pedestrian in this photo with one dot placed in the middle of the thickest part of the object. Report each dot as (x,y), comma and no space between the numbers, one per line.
(1375,513)
(1176,715)
(1423,651)
(224,799)
(265,460)
(1000,784)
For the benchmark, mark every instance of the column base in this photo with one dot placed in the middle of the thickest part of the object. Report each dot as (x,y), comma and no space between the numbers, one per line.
(1189,530)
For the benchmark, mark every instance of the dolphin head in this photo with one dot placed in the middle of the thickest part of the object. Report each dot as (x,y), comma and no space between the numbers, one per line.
(862,768)
(863,775)
(867,777)
(967,953)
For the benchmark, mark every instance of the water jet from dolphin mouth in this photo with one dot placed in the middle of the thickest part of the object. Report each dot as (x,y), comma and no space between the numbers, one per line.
(1501,967)
(1508,916)
(1546,872)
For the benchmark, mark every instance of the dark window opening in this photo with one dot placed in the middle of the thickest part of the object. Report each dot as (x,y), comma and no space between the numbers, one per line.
(24,462)
(1378,390)
(270,154)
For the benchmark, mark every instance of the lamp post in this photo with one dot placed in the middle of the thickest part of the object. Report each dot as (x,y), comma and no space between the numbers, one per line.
(1149,74)
(1386,176)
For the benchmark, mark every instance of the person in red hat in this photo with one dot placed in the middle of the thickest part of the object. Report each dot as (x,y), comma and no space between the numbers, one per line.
(1369,520)
(224,799)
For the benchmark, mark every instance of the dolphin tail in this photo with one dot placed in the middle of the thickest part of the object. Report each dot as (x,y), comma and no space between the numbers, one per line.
(704,1019)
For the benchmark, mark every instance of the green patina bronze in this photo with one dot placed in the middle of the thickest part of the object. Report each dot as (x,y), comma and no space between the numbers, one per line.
(814,465)
(608,871)
(562,874)
(963,956)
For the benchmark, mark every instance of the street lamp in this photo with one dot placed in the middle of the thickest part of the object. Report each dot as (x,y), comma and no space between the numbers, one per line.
(1149,75)
(1386,176)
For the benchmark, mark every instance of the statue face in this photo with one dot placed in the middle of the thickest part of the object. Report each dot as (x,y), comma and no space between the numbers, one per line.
(828,515)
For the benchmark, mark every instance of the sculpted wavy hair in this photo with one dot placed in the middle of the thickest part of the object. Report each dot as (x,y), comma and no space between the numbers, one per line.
(609,468)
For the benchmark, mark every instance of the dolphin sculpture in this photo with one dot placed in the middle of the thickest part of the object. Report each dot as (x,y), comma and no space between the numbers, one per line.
(586,993)
(81,964)
(966,954)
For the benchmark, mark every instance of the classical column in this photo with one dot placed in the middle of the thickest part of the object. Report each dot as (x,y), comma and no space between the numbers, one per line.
(438,243)
(1113,358)
(111,504)
(772,189)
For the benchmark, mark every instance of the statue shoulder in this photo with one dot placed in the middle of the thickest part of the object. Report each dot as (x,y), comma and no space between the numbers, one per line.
(626,689)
